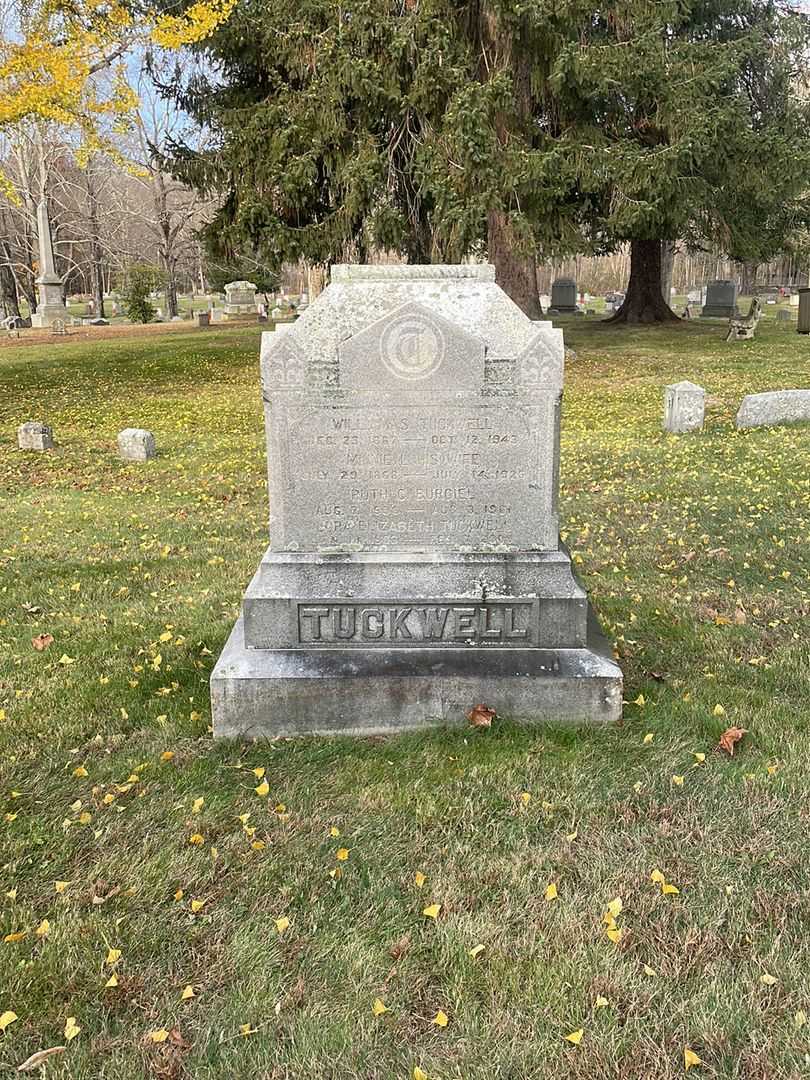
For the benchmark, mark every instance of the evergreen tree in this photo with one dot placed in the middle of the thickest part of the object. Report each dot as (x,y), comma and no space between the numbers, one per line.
(440,128)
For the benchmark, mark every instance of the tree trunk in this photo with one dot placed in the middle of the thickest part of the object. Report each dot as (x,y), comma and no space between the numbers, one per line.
(644,302)
(667,268)
(749,278)
(515,273)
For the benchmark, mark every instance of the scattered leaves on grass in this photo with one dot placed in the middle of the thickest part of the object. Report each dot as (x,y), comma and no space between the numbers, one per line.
(440,1019)
(432,910)
(282,924)
(551,891)
(42,641)
(729,739)
(342,854)
(378,1007)
(263,789)
(481,716)
(72,1029)
(575,1037)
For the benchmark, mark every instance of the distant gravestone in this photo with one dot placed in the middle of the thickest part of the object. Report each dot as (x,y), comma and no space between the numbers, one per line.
(203,318)
(564,297)
(784,315)
(34,435)
(415,565)
(240,299)
(794,299)
(721,300)
(684,407)
(774,407)
(136,444)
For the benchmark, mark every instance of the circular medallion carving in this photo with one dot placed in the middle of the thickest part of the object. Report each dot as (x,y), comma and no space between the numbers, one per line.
(412,348)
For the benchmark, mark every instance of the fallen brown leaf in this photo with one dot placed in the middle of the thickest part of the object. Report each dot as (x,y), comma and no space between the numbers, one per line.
(480,716)
(38,1058)
(399,948)
(730,737)
(42,641)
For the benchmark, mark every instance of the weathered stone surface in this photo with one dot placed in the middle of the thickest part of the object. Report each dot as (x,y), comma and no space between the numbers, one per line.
(684,407)
(784,315)
(721,300)
(412,418)
(136,444)
(774,407)
(267,693)
(34,435)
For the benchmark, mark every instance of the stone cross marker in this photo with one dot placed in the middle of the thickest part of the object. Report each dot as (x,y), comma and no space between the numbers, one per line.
(415,567)
(51,307)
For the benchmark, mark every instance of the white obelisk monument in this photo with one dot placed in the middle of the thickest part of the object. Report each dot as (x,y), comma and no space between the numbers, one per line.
(51,306)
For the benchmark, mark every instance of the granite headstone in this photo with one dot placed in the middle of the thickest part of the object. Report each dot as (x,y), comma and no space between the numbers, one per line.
(415,567)
(721,300)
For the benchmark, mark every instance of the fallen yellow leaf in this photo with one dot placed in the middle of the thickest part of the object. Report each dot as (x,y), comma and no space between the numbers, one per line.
(767,980)
(112,981)
(159,1036)
(263,789)
(197,905)
(614,934)
(282,924)
(690,1058)
(167,755)
(378,1007)
(196,839)
(72,1029)
(476,950)
(440,1019)
(551,891)
(419,879)
(575,1037)
(432,910)
(7,1018)
(11,939)
(43,929)
(601,1002)
(615,907)
(188,992)
(342,854)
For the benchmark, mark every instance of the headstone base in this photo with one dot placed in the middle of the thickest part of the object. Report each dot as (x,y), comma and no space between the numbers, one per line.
(265,693)
(719,311)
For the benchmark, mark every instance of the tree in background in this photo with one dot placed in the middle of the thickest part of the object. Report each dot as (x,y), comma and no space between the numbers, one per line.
(440,130)
(141,281)
(687,117)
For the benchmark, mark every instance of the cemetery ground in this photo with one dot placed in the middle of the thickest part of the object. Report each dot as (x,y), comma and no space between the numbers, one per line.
(172,907)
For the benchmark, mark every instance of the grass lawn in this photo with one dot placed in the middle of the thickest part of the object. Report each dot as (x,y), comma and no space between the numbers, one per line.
(695,550)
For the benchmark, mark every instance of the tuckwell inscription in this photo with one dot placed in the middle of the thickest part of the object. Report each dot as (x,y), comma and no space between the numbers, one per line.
(384,623)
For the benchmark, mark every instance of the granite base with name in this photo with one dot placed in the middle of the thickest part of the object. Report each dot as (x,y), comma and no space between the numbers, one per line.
(412,418)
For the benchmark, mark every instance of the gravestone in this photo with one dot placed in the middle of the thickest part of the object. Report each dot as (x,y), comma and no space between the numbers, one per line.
(50,304)
(684,407)
(240,299)
(784,315)
(34,435)
(564,297)
(803,325)
(415,567)
(203,318)
(136,444)
(721,300)
(774,407)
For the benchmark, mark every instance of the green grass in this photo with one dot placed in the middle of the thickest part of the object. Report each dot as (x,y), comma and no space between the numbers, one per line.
(695,550)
